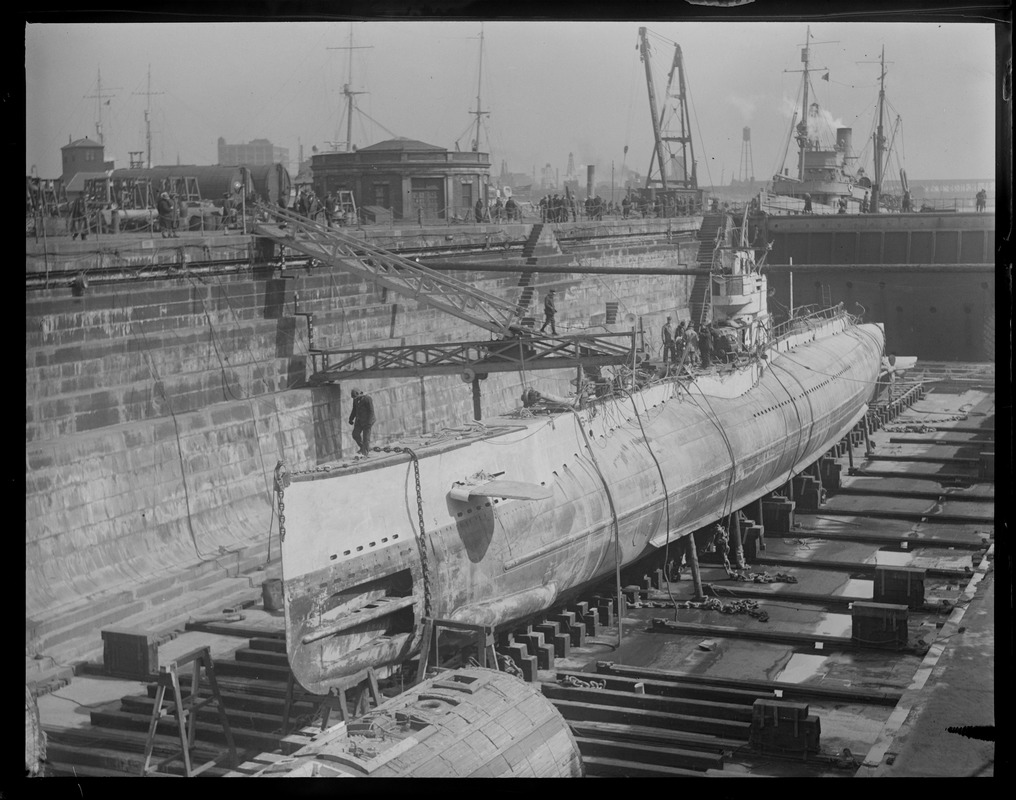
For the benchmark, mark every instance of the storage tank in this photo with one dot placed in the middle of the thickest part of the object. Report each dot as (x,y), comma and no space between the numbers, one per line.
(213,181)
(467,722)
(271,182)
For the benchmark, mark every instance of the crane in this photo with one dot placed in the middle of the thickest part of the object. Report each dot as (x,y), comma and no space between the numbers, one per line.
(514,347)
(683,181)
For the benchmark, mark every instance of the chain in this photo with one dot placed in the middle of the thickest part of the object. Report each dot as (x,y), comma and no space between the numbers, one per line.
(509,666)
(281,482)
(423,538)
(578,683)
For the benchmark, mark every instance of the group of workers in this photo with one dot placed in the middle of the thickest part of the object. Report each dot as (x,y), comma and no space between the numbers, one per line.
(696,345)
(508,211)
(308,204)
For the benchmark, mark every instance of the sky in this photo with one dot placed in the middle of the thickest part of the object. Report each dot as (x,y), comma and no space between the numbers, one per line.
(551,89)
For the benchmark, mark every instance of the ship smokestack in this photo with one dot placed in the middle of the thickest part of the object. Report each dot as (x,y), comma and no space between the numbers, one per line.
(589,180)
(843,139)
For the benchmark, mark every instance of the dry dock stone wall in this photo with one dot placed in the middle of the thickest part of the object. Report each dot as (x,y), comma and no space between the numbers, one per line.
(156,410)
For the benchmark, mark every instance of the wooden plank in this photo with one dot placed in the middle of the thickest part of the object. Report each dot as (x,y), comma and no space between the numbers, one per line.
(235,701)
(573,710)
(640,753)
(790,690)
(238,629)
(600,767)
(245,737)
(621,683)
(647,702)
(654,735)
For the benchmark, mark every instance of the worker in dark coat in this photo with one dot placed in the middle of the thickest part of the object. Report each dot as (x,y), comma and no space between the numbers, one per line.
(706,345)
(362,419)
(549,312)
(165,207)
(478,210)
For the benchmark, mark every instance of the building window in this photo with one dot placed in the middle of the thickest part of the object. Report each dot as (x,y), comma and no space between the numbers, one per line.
(382,196)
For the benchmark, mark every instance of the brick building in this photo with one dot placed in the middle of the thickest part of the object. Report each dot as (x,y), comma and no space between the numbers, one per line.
(414,180)
(82,155)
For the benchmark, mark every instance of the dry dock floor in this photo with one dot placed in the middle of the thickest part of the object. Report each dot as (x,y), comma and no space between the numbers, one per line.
(924,710)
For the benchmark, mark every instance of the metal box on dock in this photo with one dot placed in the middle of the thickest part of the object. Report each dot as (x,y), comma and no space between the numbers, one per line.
(778,514)
(130,653)
(899,585)
(879,625)
(784,727)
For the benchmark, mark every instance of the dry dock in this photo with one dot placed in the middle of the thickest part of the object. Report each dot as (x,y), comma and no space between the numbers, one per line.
(875,689)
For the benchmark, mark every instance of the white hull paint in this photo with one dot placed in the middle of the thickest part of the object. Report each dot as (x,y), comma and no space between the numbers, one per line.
(355,586)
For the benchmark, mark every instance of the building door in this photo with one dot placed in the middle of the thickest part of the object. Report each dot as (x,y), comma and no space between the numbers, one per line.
(382,195)
(426,199)
(467,200)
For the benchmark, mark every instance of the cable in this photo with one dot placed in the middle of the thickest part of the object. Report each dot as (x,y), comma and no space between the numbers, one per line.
(179,445)
(666,497)
(617,528)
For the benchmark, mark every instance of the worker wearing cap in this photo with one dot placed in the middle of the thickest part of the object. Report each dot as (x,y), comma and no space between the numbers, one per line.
(549,312)
(362,419)
(669,351)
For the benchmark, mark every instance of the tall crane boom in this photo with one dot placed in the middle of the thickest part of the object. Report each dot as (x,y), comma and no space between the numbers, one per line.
(644,53)
(388,269)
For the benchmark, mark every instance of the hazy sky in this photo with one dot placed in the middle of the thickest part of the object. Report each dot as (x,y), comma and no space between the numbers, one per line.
(552,88)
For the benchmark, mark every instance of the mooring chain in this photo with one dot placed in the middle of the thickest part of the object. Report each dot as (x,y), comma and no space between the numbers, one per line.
(282,480)
(764,577)
(424,566)
(749,607)
(509,666)
(578,683)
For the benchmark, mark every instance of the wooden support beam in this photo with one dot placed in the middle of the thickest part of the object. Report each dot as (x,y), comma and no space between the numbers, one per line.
(673,705)
(640,753)
(579,710)
(789,690)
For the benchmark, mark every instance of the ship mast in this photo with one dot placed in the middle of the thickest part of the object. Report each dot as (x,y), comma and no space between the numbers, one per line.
(802,126)
(479,112)
(99,97)
(148,118)
(347,90)
(876,187)
(644,52)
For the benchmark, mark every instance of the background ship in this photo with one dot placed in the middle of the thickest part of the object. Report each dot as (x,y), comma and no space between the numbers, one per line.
(828,179)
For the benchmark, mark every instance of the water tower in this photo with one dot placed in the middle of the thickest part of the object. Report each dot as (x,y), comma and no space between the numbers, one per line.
(747,171)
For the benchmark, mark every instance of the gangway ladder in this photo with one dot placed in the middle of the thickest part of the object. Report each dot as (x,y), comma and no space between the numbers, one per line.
(336,699)
(185,709)
(827,295)
(484,639)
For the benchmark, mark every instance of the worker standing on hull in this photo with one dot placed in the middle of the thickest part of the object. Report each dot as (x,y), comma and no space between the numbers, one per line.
(362,420)
(669,351)
(706,345)
(691,344)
